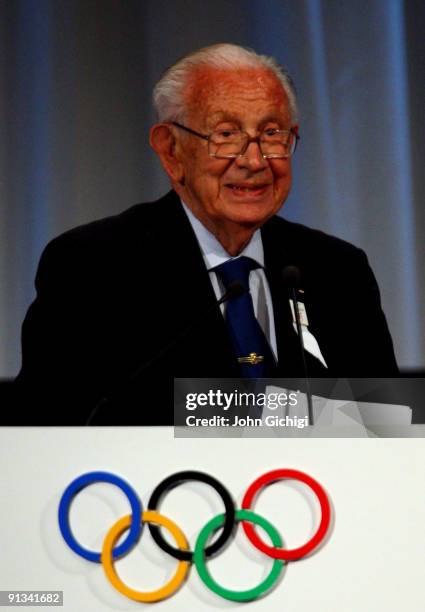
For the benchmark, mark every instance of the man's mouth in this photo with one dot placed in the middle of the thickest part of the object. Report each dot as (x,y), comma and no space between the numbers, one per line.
(245,189)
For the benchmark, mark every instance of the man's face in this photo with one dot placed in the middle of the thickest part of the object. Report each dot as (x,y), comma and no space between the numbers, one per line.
(248,190)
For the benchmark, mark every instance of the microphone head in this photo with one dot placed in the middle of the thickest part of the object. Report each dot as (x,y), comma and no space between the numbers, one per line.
(291,277)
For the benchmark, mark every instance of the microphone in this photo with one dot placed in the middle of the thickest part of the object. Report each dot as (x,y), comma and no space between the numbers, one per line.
(234,290)
(291,277)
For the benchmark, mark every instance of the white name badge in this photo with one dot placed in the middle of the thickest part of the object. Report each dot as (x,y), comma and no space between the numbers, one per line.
(310,343)
(301,311)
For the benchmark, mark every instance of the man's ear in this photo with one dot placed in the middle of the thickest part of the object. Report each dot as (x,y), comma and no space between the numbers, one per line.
(163,142)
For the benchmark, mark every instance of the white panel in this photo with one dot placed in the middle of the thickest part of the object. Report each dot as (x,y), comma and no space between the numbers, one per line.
(373,558)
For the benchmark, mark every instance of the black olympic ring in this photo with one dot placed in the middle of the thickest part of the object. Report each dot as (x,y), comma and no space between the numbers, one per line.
(175,480)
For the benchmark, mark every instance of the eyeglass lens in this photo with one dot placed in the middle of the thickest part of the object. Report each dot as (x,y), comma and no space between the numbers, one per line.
(227,143)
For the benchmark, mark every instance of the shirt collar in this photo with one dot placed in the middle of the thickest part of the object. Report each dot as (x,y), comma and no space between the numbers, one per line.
(213,252)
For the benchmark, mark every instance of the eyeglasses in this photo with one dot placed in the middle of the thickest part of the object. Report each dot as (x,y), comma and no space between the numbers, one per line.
(229,144)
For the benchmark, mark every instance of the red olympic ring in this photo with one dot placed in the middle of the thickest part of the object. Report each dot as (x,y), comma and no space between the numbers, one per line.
(281,553)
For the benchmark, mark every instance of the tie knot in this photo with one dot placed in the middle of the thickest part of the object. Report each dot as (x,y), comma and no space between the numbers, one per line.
(236,270)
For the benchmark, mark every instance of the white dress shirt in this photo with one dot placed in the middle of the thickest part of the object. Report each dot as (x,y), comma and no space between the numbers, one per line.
(214,254)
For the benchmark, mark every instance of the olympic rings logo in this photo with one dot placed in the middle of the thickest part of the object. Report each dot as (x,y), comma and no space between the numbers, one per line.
(134,523)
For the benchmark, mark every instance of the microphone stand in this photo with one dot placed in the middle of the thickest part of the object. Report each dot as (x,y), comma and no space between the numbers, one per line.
(291,278)
(293,293)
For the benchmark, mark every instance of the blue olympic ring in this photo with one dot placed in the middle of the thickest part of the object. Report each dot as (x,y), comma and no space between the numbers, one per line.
(75,487)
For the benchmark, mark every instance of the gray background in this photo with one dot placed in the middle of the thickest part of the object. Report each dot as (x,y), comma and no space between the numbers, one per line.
(75,84)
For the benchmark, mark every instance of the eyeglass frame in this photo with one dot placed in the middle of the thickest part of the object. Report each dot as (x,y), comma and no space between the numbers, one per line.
(257,139)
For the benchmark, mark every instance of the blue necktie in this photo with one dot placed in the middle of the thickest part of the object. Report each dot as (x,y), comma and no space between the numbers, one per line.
(251,348)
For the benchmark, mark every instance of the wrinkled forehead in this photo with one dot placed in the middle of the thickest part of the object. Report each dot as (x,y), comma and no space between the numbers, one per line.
(212,93)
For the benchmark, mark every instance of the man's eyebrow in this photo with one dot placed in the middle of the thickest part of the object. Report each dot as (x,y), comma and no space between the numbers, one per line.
(225,116)
(272,118)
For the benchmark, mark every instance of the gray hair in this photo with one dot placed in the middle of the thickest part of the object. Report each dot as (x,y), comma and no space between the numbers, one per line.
(168,95)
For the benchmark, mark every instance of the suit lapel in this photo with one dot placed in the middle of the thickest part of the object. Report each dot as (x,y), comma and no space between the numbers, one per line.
(194,306)
(277,255)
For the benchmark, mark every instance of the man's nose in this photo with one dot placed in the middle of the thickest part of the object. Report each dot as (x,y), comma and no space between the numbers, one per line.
(252,158)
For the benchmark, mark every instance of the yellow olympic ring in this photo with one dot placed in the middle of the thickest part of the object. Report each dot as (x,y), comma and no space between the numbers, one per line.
(149,516)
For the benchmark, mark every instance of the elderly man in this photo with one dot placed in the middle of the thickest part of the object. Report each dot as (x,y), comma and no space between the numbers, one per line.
(129,302)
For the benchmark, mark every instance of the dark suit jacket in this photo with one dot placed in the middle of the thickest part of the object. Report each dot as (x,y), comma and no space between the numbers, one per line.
(131,294)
